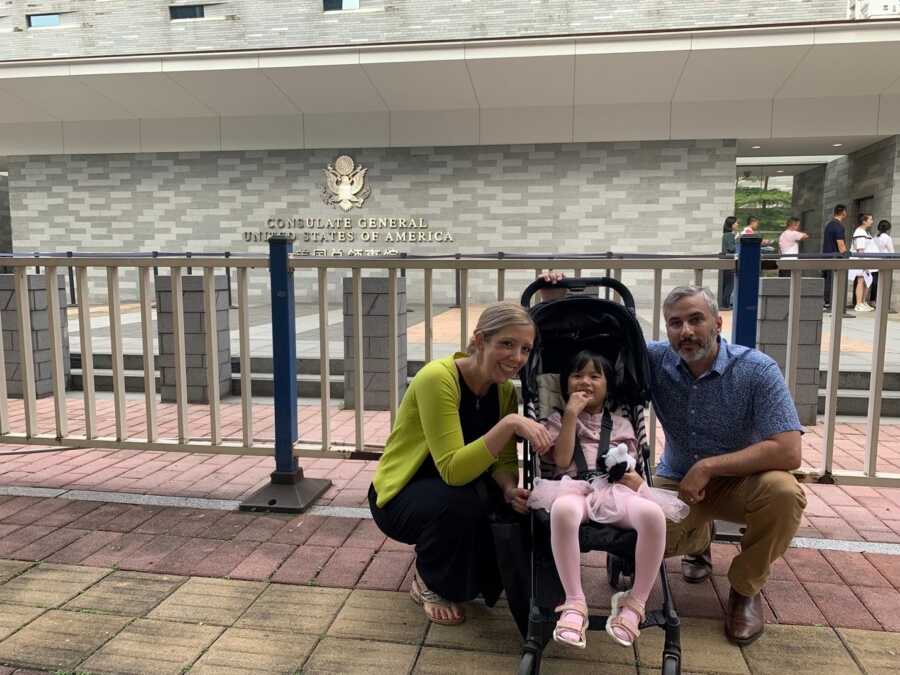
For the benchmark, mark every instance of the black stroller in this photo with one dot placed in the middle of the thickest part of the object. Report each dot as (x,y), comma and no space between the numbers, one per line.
(567,326)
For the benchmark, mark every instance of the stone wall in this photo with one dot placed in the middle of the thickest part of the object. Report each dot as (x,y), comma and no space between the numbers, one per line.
(872,174)
(39,315)
(806,204)
(5,226)
(772,333)
(660,197)
(143,26)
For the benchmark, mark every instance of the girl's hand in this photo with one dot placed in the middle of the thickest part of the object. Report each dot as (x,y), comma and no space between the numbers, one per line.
(533,432)
(632,480)
(577,402)
(517,498)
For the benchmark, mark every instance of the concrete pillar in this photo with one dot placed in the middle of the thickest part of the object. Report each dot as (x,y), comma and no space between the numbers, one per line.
(772,330)
(196,357)
(40,333)
(376,368)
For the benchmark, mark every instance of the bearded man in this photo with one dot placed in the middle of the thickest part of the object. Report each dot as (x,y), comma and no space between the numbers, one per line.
(732,437)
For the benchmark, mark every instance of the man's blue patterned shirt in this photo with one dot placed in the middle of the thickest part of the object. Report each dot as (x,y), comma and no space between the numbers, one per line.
(741,400)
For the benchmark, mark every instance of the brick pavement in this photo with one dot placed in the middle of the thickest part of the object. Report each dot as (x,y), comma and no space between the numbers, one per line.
(851,513)
(848,601)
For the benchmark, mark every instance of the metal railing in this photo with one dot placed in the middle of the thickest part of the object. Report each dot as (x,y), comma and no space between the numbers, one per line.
(691,269)
(185,439)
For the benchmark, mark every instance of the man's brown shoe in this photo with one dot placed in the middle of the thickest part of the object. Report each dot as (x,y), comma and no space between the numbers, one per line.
(744,620)
(696,568)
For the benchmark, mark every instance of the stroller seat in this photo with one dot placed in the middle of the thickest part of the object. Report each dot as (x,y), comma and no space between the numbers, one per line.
(565,327)
(597,536)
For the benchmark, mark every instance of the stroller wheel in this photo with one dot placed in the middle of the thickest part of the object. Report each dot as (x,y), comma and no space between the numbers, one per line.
(530,663)
(671,665)
(616,575)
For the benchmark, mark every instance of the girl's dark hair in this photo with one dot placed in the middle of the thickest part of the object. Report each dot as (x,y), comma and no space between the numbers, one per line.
(884,226)
(582,358)
(727,225)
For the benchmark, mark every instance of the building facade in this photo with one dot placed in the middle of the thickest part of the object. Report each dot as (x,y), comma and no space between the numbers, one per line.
(541,126)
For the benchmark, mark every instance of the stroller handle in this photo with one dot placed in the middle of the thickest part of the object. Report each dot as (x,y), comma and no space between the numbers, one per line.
(579,284)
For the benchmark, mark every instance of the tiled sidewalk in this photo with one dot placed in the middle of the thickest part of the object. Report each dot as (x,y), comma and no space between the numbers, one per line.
(227,591)
(99,620)
(809,587)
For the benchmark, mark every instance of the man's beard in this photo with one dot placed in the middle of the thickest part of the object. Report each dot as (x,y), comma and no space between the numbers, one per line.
(701,350)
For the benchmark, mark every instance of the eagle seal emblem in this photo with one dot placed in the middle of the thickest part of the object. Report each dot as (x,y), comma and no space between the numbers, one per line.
(345,184)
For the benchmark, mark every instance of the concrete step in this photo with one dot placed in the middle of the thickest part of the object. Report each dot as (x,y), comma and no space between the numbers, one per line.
(859,380)
(855,402)
(308,386)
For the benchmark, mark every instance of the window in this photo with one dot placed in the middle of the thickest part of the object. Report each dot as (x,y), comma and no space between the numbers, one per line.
(186,12)
(43,20)
(332,5)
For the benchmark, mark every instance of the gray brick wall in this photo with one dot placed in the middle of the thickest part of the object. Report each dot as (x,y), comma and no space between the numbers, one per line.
(143,26)
(871,174)
(772,330)
(669,196)
(837,187)
(806,204)
(5,226)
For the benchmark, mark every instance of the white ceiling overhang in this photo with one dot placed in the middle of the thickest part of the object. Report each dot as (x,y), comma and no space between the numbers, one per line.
(754,83)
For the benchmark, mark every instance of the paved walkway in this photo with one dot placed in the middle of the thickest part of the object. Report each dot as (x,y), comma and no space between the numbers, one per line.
(97,571)
(236,592)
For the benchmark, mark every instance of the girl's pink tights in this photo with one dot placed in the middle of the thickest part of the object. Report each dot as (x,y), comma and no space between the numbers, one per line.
(642,515)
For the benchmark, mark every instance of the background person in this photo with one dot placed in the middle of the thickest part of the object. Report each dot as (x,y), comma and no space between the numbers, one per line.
(789,241)
(861,279)
(885,245)
(726,277)
(833,242)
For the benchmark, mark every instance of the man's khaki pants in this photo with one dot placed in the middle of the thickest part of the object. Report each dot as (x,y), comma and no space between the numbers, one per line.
(770,504)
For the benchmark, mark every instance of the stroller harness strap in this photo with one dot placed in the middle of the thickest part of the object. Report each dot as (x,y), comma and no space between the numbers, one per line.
(581,466)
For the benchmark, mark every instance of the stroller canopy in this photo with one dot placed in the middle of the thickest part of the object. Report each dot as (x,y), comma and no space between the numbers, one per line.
(574,323)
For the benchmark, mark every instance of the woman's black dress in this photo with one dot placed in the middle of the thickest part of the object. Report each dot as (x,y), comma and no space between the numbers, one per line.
(448,525)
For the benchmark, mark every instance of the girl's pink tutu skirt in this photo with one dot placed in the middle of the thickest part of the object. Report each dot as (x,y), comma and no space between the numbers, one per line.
(605,500)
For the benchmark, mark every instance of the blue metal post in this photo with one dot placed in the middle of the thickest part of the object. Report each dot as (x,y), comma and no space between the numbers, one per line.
(284,357)
(288,491)
(746,290)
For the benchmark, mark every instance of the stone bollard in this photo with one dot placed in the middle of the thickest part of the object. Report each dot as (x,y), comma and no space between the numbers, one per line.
(375,342)
(195,354)
(772,330)
(40,333)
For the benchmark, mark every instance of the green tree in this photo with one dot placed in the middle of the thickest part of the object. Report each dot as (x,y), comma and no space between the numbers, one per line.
(772,207)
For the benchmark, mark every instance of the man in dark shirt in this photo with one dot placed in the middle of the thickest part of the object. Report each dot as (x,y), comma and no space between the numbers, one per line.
(833,237)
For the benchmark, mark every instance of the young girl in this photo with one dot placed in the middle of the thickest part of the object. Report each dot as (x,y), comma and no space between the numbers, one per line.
(617,496)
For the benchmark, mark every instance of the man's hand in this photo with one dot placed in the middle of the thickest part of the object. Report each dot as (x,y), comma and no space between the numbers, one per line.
(632,480)
(692,488)
(517,498)
(553,277)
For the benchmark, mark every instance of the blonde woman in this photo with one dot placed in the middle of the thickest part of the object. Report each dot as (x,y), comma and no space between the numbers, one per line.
(451,461)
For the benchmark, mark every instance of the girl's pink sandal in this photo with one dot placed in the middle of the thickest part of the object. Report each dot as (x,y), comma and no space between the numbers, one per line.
(620,601)
(565,628)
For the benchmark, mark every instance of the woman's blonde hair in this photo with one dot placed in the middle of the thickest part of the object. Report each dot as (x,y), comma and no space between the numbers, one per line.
(497,317)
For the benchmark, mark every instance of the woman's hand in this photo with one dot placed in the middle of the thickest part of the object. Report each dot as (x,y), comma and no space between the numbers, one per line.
(632,480)
(517,498)
(533,432)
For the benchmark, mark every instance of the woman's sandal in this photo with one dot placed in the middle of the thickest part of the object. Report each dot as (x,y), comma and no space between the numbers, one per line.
(423,597)
(564,629)
(620,601)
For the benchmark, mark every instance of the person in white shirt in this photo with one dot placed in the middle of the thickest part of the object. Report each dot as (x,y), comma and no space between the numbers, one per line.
(861,244)
(885,245)
(789,241)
